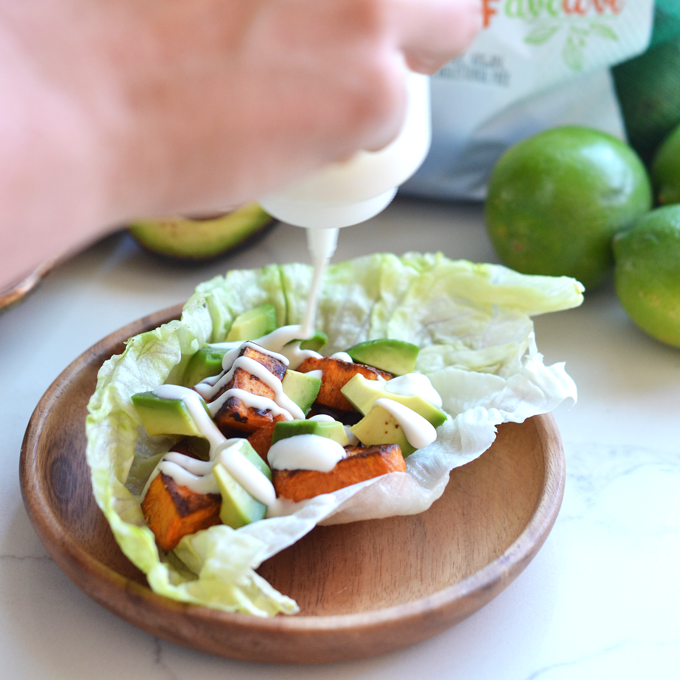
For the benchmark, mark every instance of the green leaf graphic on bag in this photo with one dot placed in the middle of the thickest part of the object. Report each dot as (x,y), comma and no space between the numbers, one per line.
(604,31)
(541,34)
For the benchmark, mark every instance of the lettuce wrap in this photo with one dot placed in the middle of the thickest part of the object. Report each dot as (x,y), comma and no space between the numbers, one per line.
(473,325)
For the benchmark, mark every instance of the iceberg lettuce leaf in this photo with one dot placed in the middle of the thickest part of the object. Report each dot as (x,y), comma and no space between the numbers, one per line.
(473,324)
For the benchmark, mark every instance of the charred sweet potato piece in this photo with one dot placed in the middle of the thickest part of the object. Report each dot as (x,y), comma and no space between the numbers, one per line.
(172,511)
(335,374)
(261,440)
(359,465)
(234,414)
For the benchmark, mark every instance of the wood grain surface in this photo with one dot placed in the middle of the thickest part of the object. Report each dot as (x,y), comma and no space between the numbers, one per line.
(363,589)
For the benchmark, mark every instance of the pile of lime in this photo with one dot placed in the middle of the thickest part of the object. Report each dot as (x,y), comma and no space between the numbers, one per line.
(575,201)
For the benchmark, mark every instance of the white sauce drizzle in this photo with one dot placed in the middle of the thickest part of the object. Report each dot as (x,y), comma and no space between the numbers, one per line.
(415,384)
(192,401)
(185,471)
(250,401)
(231,355)
(342,356)
(281,404)
(419,432)
(246,474)
(195,474)
(305,452)
(280,342)
(317,373)
(302,452)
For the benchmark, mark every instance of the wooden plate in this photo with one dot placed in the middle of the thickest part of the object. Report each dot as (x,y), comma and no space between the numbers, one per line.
(363,588)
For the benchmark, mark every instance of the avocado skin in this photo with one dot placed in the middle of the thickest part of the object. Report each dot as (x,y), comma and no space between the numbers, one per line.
(387,354)
(334,430)
(362,394)
(196,239)
(381,427)
(253,324)
(165,416)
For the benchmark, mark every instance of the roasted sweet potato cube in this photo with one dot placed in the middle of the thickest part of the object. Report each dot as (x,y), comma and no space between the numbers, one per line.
(234,414)
(261,441)
(172,511)
(360,464)
(336,374)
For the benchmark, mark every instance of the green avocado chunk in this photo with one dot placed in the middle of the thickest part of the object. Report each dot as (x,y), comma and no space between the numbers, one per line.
(381,427)
(253,324)
(394,356)
(331,429)
(362,394)
(238,506)
(165,416)
(206,363)
(315,343)
(302,388)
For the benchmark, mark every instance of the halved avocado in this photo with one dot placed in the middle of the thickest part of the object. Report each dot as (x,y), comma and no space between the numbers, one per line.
(198,239)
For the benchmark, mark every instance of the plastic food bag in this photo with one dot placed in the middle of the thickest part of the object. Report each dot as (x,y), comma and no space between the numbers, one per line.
(535,64)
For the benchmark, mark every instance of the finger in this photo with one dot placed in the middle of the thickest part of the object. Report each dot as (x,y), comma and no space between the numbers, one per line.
(432,32)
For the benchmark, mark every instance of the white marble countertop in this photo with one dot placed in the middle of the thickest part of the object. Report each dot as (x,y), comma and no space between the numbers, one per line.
(601,599)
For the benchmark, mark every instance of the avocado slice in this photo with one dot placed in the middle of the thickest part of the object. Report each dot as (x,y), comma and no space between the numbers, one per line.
(206,363)
(165,416)
(331,429)
(315,343)
(381,427)
(198,239)
(394,356)
(238,506)
(253,324)
(302,388)
(362,394)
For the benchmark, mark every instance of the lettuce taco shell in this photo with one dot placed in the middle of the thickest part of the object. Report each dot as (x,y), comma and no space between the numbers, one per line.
(473,324)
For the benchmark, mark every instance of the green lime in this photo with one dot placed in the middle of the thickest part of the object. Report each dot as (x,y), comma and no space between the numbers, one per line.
(666,169)
(556,199)
(647,273)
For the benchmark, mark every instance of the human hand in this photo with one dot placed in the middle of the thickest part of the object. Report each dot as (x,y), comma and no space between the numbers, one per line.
(147,107)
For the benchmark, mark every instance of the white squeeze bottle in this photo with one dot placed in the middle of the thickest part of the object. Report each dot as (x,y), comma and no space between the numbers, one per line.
(344,194)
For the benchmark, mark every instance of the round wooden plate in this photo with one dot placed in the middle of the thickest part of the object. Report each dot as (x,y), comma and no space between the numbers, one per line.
(363,588)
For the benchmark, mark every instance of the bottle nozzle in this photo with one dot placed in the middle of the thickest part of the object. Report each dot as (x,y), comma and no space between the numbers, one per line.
(322,243)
